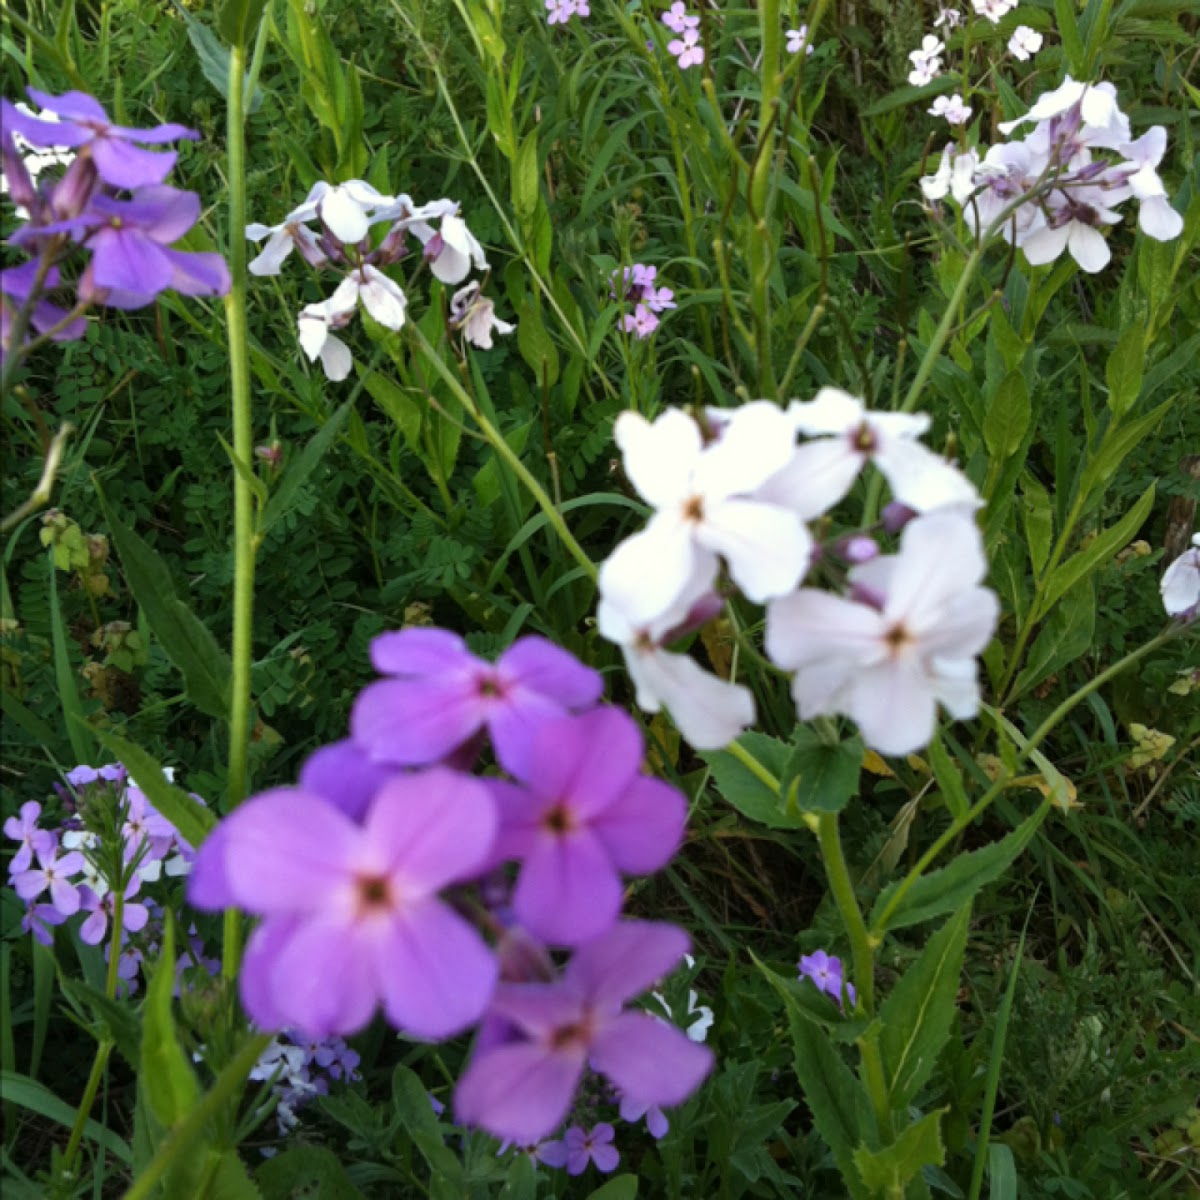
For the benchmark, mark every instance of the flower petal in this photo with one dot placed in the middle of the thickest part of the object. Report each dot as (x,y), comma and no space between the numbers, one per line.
(643,829)
(568,890)
(768,549)
(659,458)
(538,664)
(322,981)
(650,1061)
(625,961)
(413,721)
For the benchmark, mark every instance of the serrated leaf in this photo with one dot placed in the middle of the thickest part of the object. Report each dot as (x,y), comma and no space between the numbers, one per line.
(1102,549)
(166,1074)
(949,778)
(214,58)
(185,639)
(887,1171)
(948,889)
(917,1015)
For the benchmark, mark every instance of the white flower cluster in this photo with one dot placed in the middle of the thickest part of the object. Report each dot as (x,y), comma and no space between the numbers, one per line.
(346,213)
(1058,191)
(733,495)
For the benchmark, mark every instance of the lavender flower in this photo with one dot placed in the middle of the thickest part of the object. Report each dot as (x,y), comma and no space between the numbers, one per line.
(826,972)
(52,874)
(24,829)
(594,1145)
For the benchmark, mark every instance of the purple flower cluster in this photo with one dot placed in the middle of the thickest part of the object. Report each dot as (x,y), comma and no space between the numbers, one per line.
(686,47)
(391,877)
(636,285)
(826,972)
(110,201)
(301,1069)
(559,12)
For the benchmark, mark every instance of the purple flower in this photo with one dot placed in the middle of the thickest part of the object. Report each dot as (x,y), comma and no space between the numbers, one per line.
(133,915)
(656,1120)
(52,872)
(641,322)
(584,1146)
(443,696)
(84,123)
(353,916)
(522,1088)
(344,774)
(826,972)
(17,284)
(36,920)
(586,814)
(24,829)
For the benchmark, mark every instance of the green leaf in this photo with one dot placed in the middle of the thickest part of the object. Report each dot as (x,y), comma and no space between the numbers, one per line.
(78,730)
(1123,370)
(120,1022)
(399,404)
(525,178)
(623,1187)
(170,1083)
(521,1181)
(1068,31)
(305,1170)
(834,1097)
(37,1098)
(534,343)
(188,815)
(890,1169)
(1117,445)
(1037,515)
(750,795)
(953,886)
(821,776)
(1008,416)
(949,779)
(185,640)
(1065,636)
(1002,1171)
(229,1179)
(1101,550)
(213,58)
(918,1013)
(238,20)
(294,478)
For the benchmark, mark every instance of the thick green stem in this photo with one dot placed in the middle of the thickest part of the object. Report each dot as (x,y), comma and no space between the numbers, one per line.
(842,887)
(498,443)
(211,1103)
(67,1165)
(243,447)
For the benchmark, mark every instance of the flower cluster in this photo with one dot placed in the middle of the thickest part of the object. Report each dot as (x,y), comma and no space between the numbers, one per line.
(685,48)
(392,876)
(993,10)
(68,867)
(636,285)
(346,213)
(1053,191)
(797,40)
(926,60)
(110,201)
(733,495)
(1181,584)
(302,1068)
(559,12)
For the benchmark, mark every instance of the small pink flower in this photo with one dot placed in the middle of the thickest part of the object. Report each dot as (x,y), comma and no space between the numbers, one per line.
(641,322)
(687,50)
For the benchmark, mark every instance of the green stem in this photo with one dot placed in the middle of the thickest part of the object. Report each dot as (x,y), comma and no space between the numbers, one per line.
(842,887)
(243,447)
(738,751)
(500,445)
(67,1165)
(186,1132)
(1024,752)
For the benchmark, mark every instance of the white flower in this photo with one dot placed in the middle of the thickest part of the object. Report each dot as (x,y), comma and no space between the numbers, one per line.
(316,340)
(709,712)
(1024,43)
(349,209)
(903,642)
(1104,124)
(1181,583)
(697,1031)
(1156,217)
(955,175)
(950,17)
(453,248)
(926,63)
(952,108)
(475,315)
(1073,226)
(290,232)
(703,497)
(993,9)
(380,296)
(845,437)
(797,40)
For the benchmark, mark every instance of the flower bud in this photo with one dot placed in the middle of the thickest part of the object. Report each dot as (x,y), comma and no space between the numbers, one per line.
(896,516)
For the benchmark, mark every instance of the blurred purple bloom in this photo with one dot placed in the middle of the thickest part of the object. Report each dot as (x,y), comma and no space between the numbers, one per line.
(52,872)
(826,972)
(586,814)
(443,695)
(84,123)
(522,1088)
(36,920)
(24,829)
(656,1120)
(133,915)
(345,775)
(353,916)
(595,1145)
(17,284)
